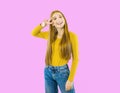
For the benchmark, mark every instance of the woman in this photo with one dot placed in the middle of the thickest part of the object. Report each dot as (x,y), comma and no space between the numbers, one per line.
(61,44)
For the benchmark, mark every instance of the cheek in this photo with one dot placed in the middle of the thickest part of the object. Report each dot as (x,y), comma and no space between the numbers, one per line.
(63,22)
(54,22)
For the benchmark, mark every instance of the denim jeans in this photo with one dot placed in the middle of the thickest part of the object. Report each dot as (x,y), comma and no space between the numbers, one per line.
(56,76)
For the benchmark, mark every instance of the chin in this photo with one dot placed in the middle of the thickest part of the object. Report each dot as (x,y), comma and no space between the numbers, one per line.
(60,26)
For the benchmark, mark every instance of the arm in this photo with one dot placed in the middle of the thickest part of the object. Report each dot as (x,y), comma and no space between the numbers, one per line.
(38,33)
(75,55)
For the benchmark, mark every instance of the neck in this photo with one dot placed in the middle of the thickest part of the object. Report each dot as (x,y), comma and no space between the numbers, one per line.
(60,32)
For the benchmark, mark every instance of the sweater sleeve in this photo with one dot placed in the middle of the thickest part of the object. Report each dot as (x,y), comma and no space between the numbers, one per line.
(75,54)
(38,33)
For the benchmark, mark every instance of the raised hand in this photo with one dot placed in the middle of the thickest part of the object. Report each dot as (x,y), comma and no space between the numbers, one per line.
(47,22)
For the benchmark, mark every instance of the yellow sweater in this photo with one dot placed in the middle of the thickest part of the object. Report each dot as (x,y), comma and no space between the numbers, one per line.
(56,59)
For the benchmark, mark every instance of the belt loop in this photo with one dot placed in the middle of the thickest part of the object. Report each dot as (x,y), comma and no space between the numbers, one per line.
(67,65)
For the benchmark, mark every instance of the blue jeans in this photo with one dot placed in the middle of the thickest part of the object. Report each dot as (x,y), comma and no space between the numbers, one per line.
(55,76)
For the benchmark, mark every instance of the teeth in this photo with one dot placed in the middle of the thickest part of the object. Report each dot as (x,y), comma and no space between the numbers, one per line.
(59,23)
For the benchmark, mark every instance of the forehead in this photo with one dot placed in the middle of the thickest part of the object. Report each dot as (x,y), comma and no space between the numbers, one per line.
(56,14)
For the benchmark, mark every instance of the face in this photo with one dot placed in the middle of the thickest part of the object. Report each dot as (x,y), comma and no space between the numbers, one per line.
(58,20)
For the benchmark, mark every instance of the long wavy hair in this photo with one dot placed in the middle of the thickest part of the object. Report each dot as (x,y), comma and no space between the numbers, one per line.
(65,43)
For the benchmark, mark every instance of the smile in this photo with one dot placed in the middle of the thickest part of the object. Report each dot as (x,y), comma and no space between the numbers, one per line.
(59,23)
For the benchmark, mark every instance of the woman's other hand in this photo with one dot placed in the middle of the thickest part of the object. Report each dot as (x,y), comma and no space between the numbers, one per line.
(68,85)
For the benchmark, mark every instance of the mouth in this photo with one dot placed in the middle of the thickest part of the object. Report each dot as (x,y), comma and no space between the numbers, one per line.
(59,23)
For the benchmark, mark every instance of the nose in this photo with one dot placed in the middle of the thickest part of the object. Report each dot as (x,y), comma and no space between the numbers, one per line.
(59,21)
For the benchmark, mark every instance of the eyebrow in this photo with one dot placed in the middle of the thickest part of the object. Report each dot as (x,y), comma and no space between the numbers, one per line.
(53,17)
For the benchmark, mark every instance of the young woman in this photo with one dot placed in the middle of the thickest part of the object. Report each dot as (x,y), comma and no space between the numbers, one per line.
(61,43)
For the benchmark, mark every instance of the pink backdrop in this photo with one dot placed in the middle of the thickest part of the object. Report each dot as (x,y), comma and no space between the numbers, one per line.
(97,24)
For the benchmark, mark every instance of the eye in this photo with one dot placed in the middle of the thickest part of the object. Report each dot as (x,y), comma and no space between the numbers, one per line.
(60,16)
(54,18)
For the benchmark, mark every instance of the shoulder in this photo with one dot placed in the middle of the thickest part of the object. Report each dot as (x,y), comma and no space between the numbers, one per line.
(74,40)
(73,35)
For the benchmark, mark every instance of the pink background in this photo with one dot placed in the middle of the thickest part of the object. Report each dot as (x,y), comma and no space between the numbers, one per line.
(97,24)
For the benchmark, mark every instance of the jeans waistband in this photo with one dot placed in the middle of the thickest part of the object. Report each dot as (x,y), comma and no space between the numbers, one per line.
(57,67)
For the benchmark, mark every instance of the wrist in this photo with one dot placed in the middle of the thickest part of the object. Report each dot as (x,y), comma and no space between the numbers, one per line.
(70,81)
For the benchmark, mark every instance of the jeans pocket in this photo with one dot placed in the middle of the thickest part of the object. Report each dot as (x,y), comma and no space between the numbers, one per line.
(64,72)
